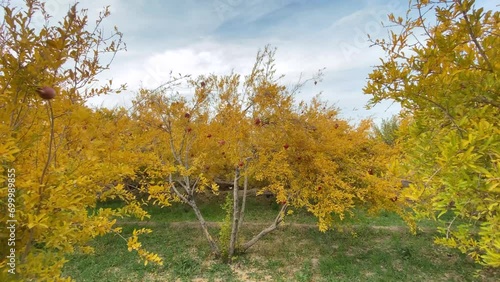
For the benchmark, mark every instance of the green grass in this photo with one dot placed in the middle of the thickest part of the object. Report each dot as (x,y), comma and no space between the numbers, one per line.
(366,249)
(259,209)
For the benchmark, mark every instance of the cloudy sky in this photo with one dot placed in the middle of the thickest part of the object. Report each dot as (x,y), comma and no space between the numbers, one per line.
(217,36)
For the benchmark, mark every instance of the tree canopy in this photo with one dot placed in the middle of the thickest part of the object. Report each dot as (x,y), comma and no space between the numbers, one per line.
(445,75)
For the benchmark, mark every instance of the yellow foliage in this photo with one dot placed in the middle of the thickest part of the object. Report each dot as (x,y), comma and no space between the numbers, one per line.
(58,156)
(306,156)
(68,157)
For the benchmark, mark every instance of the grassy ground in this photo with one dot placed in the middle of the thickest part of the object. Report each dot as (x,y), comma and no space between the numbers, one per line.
(366,249)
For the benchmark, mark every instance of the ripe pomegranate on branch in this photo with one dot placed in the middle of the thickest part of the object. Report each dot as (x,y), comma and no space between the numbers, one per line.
(46,92)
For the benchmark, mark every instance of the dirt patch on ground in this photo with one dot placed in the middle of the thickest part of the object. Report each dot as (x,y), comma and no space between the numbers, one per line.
(245,274)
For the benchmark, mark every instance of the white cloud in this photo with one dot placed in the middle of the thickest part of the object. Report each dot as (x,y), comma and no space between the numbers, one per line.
(221,58)
(218,36)
(165,36)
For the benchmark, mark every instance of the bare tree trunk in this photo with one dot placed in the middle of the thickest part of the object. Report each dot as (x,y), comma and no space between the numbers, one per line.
(272,227)
(244,201)
(235,225)
(190,188)
(192,203)
(213,245)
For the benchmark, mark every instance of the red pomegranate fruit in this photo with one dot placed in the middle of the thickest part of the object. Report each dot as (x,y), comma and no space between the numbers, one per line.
(46,92)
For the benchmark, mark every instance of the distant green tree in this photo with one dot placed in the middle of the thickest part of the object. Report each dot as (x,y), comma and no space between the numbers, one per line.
(387,131)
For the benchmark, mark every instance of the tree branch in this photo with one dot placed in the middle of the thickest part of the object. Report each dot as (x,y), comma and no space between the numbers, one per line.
(192,203)
(474,38)
(272,227)
(236,216)
(244,200)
